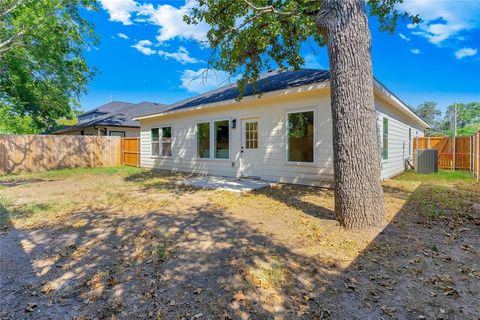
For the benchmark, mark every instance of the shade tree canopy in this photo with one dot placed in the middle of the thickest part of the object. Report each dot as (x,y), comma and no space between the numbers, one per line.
(42,67)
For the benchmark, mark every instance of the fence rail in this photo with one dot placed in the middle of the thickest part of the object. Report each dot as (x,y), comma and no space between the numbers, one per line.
(31,153)
(447,159)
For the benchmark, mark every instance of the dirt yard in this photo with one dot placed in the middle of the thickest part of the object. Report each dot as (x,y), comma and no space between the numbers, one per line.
(121,243)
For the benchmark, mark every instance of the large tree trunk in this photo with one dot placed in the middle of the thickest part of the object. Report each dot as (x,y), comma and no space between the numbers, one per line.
(358,190)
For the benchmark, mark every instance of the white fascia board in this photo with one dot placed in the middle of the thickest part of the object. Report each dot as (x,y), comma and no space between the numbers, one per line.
(305,88)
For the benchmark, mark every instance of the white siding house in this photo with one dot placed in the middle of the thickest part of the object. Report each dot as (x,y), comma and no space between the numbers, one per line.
(283,136)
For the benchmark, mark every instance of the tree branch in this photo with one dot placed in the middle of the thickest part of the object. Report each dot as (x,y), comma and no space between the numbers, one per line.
(15,5)
(7,44)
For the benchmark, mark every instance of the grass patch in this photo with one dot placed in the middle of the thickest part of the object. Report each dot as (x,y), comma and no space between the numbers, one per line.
(32,214)
(65,173)
(267,275)
(436,201)
(441,176)
(4,216)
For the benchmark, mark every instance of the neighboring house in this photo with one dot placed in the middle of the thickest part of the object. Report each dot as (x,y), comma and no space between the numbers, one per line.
(285,135)
(112,119)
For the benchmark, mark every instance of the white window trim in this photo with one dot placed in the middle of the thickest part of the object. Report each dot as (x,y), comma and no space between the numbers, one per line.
(151,142)
(243,138)
(299,163)
(160,135)
(212,127)
(196,141)
(410,142)
(212,157)
(388,139)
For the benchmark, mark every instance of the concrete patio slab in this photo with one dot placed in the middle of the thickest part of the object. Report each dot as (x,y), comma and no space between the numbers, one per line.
(237,185)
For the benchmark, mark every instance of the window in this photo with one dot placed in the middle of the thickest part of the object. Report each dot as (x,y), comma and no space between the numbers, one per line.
(300,136)
(166,142)
(117,133)
(251,135)
(222,139)
(409,141)
(203,140)
(155,150)
(385,139)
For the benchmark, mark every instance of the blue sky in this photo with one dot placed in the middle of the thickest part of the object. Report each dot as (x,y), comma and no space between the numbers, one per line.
(147,53)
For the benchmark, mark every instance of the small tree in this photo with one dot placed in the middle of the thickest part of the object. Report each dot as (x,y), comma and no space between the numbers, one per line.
(429,112)
(249,36)
(468,118)
(42,68)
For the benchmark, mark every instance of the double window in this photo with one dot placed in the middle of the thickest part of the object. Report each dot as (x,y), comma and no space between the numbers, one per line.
(300,137)
(161,141)
(220,131)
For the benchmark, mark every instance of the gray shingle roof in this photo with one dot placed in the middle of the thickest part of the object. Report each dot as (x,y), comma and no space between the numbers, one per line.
(268,82)
(113,106)
(120,114)
(271,81)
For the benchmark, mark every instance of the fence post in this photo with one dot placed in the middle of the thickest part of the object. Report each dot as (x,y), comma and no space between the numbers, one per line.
(477,156)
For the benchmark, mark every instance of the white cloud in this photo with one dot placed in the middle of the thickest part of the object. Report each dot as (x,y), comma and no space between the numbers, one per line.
(465,52)
(181,55)
(204,80)
(311,62)
(123,36)
(415,51)
(168,18)
(170,21)
(404,37)
(120,10)
(442,20)
(144,47)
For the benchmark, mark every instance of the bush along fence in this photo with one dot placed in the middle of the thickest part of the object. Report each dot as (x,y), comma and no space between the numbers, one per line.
(463,153)
(32,153)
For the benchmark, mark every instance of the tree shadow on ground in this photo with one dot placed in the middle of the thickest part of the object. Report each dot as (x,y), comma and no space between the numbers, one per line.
(199,261)
(292,196)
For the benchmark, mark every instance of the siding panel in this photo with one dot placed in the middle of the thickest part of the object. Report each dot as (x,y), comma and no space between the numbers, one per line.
(271,112)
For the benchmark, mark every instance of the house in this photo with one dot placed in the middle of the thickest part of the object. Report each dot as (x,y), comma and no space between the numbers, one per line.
(285,135)
(112,119)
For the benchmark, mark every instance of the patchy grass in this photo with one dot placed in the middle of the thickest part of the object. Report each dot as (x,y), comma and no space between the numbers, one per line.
(441,177)
(65,173)
(131,241)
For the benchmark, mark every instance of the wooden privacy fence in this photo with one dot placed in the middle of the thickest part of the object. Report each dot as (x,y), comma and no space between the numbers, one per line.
(466,151)
(131,152)
(30,153)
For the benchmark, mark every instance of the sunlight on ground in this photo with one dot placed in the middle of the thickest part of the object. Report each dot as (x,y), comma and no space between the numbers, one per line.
(277,251)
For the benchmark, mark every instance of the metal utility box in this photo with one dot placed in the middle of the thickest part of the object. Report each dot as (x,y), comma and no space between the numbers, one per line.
(426,161)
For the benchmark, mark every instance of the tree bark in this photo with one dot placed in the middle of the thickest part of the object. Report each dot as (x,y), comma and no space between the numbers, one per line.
(358,191)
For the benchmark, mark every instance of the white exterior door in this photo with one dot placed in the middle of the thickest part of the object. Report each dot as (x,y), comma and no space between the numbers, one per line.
(251,157)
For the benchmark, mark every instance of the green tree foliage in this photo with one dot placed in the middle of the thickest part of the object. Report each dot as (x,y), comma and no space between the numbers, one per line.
(468,119)
(42,68)
(251,36)
(429,112)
